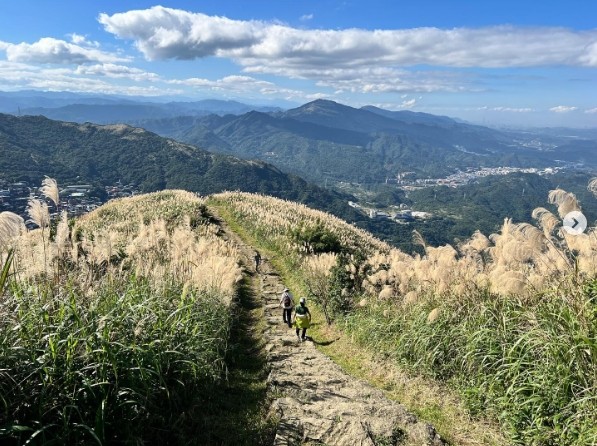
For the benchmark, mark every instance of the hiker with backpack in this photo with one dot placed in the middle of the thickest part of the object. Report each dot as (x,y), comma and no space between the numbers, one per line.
(287,303)
(257,260)
(302,319)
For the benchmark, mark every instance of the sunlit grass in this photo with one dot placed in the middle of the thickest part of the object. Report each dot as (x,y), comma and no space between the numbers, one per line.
(508,320)
(116,328)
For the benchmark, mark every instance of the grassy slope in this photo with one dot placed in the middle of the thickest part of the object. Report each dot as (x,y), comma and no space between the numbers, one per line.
(526,359)
(430,400)
(130,360)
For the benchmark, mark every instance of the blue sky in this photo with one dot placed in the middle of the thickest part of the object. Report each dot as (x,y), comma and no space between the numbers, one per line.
(494,62)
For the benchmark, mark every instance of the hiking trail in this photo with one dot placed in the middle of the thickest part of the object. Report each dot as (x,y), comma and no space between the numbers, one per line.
(315,401)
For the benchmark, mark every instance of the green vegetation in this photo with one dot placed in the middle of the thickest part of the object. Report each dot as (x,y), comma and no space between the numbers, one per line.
(129,327)
(324,140)
(484,206)
(33,146)
(459,212)
(132,364)
(529,364)
(509,323)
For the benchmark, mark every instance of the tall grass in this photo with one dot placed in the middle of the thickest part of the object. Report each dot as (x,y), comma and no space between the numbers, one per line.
(510,319)
(121,366)
(530,365)
(115,331)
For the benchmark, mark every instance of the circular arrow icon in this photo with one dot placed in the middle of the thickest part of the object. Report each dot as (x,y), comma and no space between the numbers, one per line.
(575,223)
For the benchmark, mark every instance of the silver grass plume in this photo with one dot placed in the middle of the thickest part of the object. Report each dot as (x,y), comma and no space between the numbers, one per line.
(38,212)
(62,233)
(418,239)
(593,186)
(11,226)
(547,221)
(49,188)
(565,201)
(532,235)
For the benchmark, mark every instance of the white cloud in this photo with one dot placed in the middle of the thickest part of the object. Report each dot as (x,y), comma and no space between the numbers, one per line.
(306,17)
(231,83)
(53,51)
(19,76)
(116,71)
(510,109)
(236,84)
(563,109)
(4,45)
(165,33)
(408,103)
(79,39)
(591,110)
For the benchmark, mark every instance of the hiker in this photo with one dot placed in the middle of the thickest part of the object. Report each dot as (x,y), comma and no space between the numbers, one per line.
(257,260)
(287,303)
(302,319)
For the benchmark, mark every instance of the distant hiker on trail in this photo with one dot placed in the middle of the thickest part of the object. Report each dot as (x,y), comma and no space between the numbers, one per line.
(302,319)
(287,303)
(257,260)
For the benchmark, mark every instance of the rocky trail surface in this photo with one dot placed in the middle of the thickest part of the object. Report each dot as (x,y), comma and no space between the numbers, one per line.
(317,403)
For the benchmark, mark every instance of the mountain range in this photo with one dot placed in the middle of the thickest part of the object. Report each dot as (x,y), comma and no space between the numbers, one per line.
(325,140)
(34,146)
(108,109)
(271,151)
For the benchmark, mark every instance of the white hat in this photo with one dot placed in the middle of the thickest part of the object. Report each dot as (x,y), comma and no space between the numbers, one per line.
(286,289)
(303,300)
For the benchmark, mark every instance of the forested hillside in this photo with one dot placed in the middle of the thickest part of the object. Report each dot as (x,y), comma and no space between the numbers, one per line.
(31,147)
(325,140)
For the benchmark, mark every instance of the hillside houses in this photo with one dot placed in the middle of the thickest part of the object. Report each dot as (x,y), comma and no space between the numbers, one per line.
(398,215)
(76,199)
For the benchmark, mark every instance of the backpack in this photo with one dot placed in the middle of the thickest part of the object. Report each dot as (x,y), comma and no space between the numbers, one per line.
(286,300)
(300,310)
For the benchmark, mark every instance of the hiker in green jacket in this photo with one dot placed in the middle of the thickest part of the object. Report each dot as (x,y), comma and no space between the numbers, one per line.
(302,319)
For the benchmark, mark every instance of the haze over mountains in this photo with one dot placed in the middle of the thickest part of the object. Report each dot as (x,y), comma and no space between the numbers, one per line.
(324,140)
(326,143)
(107,109)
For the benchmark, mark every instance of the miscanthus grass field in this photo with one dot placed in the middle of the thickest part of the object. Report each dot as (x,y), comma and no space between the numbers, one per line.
(509,320)
(113,328)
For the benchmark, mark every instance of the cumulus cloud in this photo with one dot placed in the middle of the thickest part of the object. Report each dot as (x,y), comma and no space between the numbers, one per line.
(236,84)
(54,51)
(165,33)
(79,39)
(19,75)
(563,109)
(591,110)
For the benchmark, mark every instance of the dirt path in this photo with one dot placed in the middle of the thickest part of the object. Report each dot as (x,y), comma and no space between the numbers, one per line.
(316,402)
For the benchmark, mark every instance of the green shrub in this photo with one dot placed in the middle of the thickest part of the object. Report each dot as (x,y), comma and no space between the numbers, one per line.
(316,239)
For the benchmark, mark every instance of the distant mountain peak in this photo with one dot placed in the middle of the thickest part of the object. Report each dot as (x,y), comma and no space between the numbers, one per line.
(320,105)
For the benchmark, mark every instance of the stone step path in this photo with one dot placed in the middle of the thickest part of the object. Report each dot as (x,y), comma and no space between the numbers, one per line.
(318,403)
